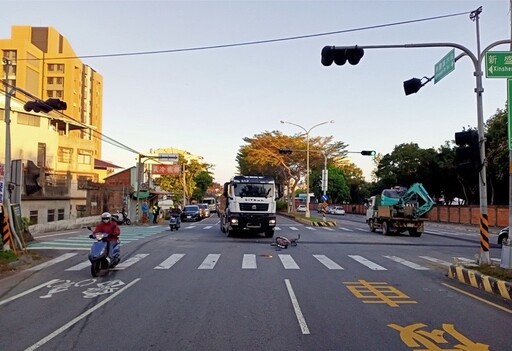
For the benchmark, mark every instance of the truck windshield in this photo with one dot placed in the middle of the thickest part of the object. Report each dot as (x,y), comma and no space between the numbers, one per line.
(254,190)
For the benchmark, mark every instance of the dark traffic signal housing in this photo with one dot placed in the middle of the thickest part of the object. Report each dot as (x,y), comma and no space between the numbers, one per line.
(341,54)
(45,106)
(467,154)
(368,153)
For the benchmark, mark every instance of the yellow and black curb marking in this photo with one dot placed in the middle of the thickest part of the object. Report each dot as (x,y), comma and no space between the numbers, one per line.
(481,281)
(324,224)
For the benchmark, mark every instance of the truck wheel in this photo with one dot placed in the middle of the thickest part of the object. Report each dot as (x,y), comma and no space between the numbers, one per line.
(370,224)
(269,233)
(414,232)
(385,228)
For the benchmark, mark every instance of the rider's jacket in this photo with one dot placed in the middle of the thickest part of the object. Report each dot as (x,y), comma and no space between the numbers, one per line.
(109,228)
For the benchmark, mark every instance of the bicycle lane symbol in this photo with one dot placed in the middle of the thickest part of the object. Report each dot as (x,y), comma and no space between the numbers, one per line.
(61,285)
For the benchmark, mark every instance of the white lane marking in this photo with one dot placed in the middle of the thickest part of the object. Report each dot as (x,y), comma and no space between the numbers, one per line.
(58,234)
(294,228)
(58,248)
(190,227)
(300,317)
(367,263)
(288,262)
(407,263)
(346,229)
(277,228)
(80,317)
(170,261)
(79,266)
(52,262)
(362,230)
(209,262)
(207,227)
(464,259)
(26,292)
(329,229)
(327,262)
(310,228)
(436,260)
(130,261)
(249,261)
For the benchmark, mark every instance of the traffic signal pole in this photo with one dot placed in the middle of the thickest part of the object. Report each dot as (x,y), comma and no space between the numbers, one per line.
(477,63)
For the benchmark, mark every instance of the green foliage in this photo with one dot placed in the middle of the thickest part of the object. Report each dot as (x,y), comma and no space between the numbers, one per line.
(337,189)
(281,205)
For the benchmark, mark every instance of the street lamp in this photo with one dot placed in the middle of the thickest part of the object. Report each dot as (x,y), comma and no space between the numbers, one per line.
(307,131)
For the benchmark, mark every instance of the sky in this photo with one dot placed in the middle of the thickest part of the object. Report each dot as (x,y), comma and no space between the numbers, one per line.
(206,100)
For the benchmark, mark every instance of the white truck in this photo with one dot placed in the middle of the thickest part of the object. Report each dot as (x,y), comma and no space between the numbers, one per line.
(211,202)
(248,204)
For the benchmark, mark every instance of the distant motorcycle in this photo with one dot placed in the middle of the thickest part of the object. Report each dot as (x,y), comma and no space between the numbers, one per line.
(121,218)
(174,222)
(101,260)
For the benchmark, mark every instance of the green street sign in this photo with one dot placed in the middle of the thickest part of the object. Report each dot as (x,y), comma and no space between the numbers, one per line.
(498,64)
(444,66)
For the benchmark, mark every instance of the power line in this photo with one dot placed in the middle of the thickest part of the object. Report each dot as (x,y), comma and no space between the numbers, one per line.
(265,41)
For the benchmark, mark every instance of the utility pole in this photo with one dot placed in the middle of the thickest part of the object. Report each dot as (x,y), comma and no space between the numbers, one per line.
(7,168)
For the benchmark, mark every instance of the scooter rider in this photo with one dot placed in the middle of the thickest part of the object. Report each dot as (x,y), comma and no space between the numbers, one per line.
(107,225)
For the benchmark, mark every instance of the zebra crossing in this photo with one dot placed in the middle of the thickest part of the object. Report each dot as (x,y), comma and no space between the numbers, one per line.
(249,261)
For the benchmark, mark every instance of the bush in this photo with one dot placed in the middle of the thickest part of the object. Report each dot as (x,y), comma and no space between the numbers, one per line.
(281,205)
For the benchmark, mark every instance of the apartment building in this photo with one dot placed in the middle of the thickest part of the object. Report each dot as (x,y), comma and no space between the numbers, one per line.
(61,146)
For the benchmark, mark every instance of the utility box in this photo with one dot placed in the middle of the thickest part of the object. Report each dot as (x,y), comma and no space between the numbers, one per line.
(506,255)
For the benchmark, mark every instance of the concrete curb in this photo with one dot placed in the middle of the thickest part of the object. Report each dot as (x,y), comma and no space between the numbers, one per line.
(324,224)
(481,281)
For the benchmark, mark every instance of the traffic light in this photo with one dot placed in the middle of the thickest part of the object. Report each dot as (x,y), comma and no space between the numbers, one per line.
(32,174)
(45,106)
(368,153)
(340,55)
(467,154)
(412,86)
(285,151)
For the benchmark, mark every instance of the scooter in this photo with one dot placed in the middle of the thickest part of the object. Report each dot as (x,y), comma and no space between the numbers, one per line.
(121,218)
(174,222)
(99,256)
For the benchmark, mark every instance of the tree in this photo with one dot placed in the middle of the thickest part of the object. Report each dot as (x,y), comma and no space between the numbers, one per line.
(338,189)
(261,156)
(497,157)
(203,180)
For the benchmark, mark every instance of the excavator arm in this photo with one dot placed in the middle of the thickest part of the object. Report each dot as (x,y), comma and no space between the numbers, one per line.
(412,196)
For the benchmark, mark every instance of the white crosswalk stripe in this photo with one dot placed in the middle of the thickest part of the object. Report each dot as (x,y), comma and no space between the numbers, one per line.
(249,261)
(288,262)
(327,262)
(436,260)
(169,262)
(367,263)
(210,261)
(52,262)
(294,228)
(132,260)
(407,263)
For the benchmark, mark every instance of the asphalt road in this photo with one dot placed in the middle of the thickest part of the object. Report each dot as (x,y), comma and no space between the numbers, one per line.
(340,288)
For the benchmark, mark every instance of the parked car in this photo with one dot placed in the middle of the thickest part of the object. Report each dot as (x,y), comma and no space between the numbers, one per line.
(338,210)
(191,213)
(301,208)
(503,234)
(205,210)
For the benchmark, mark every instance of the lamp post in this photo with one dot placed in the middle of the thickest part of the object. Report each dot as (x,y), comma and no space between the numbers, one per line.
(307,131)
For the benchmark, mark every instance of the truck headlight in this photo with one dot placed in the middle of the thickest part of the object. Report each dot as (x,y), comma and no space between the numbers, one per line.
(234,221)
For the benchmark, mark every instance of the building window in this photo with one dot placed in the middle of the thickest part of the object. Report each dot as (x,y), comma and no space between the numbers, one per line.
(51,216)
(60,80)
(29,120)
(49,80)
(65,154)
(60,67)
(84,157)
(59,94)
(49,93)
(60,214)
(51,67)
(33,217)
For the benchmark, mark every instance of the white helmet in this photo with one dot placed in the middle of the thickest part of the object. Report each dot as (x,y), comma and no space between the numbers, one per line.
(106,216)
